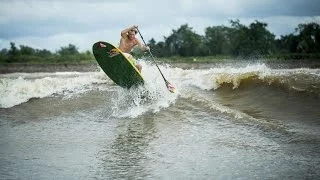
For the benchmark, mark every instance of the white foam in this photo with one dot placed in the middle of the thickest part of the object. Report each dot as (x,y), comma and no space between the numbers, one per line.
(152,97)
(20,87)
(208,79)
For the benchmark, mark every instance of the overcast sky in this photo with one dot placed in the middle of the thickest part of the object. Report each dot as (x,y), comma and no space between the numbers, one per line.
(51,24)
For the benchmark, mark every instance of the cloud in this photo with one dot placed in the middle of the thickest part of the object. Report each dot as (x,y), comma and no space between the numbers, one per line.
(43,18)
(51,24)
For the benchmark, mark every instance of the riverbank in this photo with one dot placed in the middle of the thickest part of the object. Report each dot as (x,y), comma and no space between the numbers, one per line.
(31,68)
(91,67)
(278,64)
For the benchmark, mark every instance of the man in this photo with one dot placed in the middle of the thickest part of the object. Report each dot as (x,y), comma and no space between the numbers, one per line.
(128,41)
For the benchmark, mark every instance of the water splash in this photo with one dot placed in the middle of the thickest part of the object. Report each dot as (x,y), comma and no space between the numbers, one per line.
(152,97)
(18,88)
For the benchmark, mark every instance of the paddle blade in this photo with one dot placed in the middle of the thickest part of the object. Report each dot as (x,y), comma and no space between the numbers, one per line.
(170,87)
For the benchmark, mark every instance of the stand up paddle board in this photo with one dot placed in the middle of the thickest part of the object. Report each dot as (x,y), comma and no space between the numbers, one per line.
(119,69)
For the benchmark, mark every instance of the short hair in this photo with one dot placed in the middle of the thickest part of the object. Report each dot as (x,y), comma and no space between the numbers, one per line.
(134,30)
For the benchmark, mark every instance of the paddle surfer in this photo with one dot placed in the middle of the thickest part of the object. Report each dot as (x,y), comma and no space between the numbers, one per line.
(128,41)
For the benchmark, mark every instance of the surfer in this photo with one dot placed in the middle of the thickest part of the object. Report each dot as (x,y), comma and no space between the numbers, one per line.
(128,41)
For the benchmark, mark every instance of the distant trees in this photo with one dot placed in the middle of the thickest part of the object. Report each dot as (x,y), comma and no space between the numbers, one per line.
(184,42)
(218,40)
(253,40)
(26,54)
(308,38)
(69,50)
(237,40)
(13,50)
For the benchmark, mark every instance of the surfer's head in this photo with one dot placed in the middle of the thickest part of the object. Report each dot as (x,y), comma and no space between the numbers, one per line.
(132,33)
(134,30)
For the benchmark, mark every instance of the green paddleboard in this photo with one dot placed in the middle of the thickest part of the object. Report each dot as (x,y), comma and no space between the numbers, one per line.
(118,68)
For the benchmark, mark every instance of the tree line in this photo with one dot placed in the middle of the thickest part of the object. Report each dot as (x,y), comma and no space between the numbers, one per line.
(26,54)
(238,40)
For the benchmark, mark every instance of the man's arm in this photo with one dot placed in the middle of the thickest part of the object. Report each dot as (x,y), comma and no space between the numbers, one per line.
(125,31)
(143,47)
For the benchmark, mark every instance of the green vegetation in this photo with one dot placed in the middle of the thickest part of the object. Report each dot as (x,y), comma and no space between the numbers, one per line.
(25,54)
(242,42)
(183,44)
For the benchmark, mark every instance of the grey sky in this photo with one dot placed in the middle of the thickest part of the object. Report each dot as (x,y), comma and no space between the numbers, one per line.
(50,24)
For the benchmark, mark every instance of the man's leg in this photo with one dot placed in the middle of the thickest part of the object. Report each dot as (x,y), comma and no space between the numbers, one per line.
(130,57)
(139,67)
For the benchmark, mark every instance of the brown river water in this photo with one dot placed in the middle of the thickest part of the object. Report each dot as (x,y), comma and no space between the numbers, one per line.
(226,121)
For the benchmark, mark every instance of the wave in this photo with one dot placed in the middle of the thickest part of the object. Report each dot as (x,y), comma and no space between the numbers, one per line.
(19,88)
(300,80)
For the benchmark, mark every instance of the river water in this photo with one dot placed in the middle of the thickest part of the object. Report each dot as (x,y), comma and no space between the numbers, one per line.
(230,121)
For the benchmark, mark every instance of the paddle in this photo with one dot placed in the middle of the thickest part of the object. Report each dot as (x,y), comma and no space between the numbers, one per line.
(170,87)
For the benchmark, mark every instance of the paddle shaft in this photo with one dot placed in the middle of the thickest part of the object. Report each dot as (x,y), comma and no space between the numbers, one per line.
(153,58)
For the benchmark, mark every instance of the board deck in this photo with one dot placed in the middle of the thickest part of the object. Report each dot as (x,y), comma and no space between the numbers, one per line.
(118,68)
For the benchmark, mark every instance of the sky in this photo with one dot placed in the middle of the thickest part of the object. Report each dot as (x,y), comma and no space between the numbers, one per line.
(52,24)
